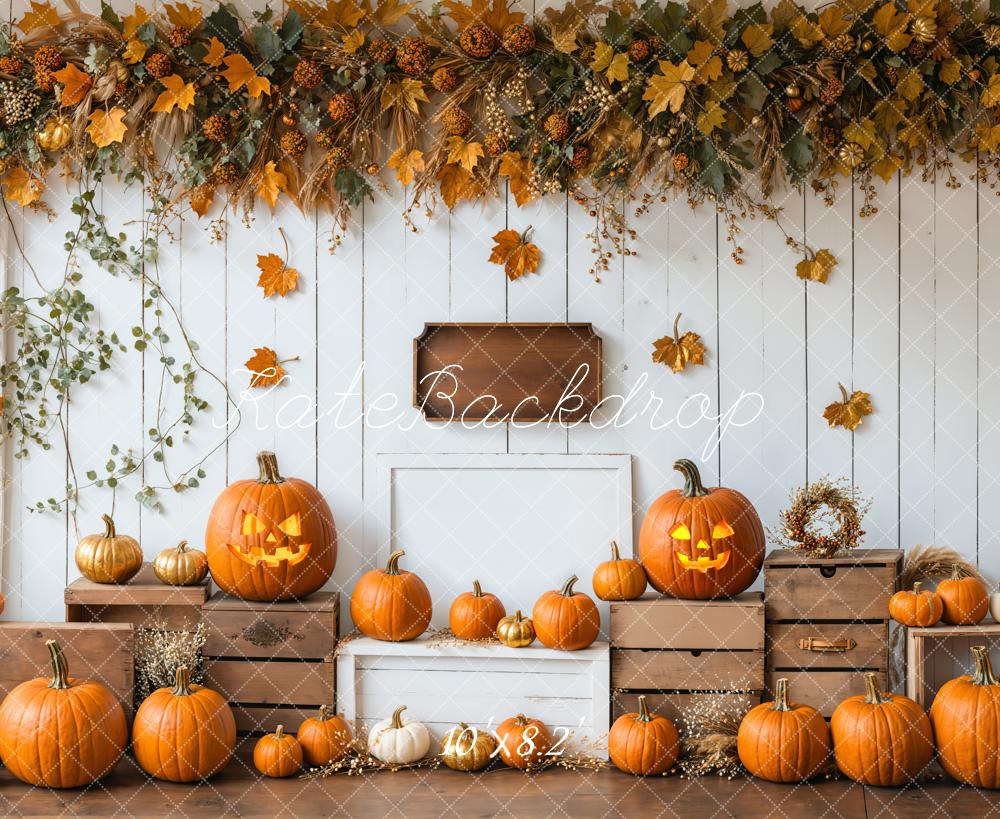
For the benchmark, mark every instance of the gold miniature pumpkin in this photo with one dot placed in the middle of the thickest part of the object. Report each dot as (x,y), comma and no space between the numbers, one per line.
(466,748)
(516,631)
(55,134)
(108,557)
(181,566)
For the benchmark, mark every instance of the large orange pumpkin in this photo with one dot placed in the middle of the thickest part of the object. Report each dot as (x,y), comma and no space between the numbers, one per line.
(184,733)
(619,578)
(391,604)
(966,719)
(698,543)
(881,739)
(643,743)
(272,538)
(565,619)
(783,741)
(325,738)
(61,733)
(966,600)
(474,615)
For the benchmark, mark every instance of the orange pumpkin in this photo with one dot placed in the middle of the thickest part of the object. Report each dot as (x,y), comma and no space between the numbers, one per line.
(782,741)
(324,738)
(643,743)
(272,538)
(966,719)
(916,609)
(391,604)
(619,578)
(474,615)
(61,733)
(523,742)
(565,619)
(966,600)
(278,755)
(184,733)
(881,739)
(698,543)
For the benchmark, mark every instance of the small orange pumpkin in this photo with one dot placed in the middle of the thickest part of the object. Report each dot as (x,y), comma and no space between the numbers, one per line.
(966,600)
(391,604)
(474,615)
(565,619)
(881,739)
(523,742)
(278,755)
(324,738)
(916,609)
(643,743)
(782,741)
(619,578)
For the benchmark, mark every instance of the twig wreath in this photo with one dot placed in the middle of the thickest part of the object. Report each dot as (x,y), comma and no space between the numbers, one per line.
(832,504)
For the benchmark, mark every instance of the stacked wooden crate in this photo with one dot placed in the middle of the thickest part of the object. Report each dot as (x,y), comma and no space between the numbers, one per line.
(274,662)
(828,621)
(681,652)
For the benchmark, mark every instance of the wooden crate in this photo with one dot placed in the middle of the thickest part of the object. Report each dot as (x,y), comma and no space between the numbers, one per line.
(481,684)
(937,654)
(828,621)
(143,601)
(272,661)
(94,651)
(676,651)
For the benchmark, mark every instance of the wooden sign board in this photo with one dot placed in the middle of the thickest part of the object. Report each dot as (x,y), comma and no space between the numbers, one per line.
(507,372)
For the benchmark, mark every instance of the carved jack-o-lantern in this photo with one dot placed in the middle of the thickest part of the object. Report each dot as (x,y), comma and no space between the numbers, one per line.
(699,543)
(272,538)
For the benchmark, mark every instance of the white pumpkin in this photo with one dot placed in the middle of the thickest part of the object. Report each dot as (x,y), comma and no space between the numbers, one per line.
(398,741)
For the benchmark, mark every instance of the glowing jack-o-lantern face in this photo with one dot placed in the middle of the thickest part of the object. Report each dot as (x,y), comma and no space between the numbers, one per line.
(272,538)
(698,543)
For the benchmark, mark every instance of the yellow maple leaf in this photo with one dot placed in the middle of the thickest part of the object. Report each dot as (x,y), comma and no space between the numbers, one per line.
(133,22)
(618,69)
(887,166)
(390,12)
(603,52)
(216,51)
(265,369)
(817,268)
(240,73)
(408,93)
(135,51)
(40,15)
(805,31)
(950,71)
(21,187)
(517,171)
(517,255)
(710,16)
(272,183)
(911,85)
(406,164)
(342,14)
(276,277)
(757,38)
(833,21)
(497,15)
(892,26)
(178,94)
(200,198)
(353,41)
(184,16)
(667,89)
(466,154)
(711,118)
(565,25)
(850,411)
(75,83)
(707,64)
(677,351)
(106,127)
(991,93)
(456,184)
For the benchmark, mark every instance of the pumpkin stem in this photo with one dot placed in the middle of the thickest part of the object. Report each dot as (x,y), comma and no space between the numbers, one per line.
(60,668)
(693,487)
(781,695)
(109,526)
(615,552)
(983,674)
(325,713)
(643,715)
(518,617)
(567,588)
(182,682)
(279,732)
(397,721)
(477,590)
(520,719)
(916,587)
(182,546)
(873,695)
(268,463)
(392,565)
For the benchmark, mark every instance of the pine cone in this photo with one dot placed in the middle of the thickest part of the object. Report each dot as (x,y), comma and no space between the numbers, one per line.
(179,37)
(381,51)
(216,128)
(479,41)
(456,122)
(159,65)
(413,56)
(225,173)
(581,157)
(342,107)
(307,74)
(494,144)
(832,90)
(293,144)
(557,126)
(444,80)
(639,51)
(518,39)
(840,46)
(338,158)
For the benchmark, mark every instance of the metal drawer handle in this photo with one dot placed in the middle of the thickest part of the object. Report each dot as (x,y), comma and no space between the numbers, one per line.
(818,644)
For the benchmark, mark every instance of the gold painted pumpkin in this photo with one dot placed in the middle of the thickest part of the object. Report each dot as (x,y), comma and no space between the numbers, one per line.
(467,749)
(271,538)
(181,566)
(55,133)
(700,544)
(516,631)
(109,557)
(619,578)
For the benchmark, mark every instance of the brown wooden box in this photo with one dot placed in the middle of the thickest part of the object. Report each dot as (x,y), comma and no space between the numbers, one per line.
(143,601)
(664,622)
(94,651)
(272,661)
(675,705)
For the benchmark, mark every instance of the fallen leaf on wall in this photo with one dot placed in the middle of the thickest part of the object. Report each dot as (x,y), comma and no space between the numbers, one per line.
(272,183)
(276,277)
(817,268)
(677,351)
(850,410)
(265,369)
(517,255)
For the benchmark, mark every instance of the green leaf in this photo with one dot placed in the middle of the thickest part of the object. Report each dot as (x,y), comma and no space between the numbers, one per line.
(798,152)
(110,16)
(617,29)
(225,24)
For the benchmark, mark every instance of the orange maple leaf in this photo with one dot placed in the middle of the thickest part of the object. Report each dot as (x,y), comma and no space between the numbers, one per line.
(21,187)
(201,197)
(177,94)
(131,23)
(184,16)
(272,183)
(456,184)
(265,369)
(679,350)
(496,15)
(517,255)
(518,173)
(75,83)
(240,73)
(41,14)
(276,277)
(216,51)
(107,127)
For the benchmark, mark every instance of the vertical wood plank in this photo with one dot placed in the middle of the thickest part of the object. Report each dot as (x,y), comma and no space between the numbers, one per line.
(989,379)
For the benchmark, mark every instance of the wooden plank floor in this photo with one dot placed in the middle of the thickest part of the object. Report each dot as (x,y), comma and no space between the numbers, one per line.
(238,791)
